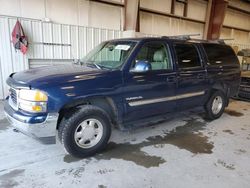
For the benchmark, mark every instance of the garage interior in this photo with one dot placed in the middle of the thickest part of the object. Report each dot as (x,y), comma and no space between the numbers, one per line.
(185,151)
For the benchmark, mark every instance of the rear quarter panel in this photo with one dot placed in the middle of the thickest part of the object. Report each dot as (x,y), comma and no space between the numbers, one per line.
(224,76)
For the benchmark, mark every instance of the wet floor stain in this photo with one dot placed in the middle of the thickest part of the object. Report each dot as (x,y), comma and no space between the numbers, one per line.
(131,152)
(105,171)
(195,143)
(102,186)
(48,140)
(70,159)
(186,137)
(203,116)
(4,124)
(225,165)
(8,180)
(60,172)
(212,133)
(240,151)
(234,113)
(74,172)
(228,131)
(189,138)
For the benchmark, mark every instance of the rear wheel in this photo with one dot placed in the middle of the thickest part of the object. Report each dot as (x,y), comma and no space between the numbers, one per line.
(216,105)
(85,132)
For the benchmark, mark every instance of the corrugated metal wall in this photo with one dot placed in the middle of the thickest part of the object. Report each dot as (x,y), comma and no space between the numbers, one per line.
(82,39)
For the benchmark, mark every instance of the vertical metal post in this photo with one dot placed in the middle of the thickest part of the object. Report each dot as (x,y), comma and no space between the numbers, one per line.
(172,6)
(131,17)
(185,11)
(215,18)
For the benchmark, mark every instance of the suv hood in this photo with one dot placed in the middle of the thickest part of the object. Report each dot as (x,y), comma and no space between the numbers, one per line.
(55,74)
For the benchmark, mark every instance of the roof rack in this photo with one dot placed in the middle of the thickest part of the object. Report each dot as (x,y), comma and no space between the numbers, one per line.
(181,37)
(188,38)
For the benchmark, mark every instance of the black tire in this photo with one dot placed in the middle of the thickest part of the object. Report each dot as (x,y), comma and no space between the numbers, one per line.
(66,116)
(60,129)
(208,106)
(67,128)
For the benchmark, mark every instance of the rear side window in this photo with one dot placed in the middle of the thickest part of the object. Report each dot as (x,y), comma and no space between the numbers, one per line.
(218,54)
(187,55)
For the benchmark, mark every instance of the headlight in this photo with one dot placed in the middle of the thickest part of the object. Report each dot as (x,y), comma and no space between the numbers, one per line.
(32,95)
(34,101)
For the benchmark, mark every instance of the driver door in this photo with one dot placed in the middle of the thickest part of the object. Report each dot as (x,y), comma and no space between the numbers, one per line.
(150,92)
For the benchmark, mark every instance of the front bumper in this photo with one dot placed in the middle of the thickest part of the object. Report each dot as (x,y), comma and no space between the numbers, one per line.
(41,127)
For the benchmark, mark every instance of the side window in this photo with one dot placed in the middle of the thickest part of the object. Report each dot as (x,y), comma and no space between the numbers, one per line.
(218,54)
(187,55)
(156,54)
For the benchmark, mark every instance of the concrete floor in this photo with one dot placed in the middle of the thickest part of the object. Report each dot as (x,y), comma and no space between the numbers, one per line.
(185,151)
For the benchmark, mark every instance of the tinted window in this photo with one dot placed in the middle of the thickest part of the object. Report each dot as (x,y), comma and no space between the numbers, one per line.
(187,55)
(156,54)
(218,54)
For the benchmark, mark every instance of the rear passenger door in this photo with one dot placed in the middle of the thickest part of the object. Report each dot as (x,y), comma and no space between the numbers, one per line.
(192,77)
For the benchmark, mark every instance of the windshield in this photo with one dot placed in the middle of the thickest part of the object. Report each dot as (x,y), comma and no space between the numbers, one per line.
(110,55)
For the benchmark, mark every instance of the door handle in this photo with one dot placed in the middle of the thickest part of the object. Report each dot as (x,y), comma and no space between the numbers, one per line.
(172,79)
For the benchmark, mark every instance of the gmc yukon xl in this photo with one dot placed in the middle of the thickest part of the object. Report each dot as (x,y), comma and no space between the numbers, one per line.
(121,83)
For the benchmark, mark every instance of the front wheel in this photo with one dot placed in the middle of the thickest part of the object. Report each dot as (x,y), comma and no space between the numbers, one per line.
(216,105)
(85,132)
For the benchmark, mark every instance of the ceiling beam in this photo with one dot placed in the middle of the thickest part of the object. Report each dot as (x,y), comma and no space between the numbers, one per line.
(109,2)
(170,15)
(185,11)
(238,9)
(236,28)
(216,12)
(172,6)
(131,15)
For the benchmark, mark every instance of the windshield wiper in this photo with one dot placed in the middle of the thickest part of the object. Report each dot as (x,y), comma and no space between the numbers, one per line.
(97,66)
(93,64)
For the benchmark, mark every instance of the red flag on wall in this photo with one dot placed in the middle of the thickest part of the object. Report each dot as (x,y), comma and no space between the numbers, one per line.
(20,41)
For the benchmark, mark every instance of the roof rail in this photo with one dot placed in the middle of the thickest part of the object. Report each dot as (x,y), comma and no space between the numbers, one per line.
(188,38)
(181,37)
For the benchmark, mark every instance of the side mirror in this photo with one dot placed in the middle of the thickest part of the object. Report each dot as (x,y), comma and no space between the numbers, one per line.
(141,66)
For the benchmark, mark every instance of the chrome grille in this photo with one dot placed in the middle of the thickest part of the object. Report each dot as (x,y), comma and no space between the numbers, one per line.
(13,95)
(13,98)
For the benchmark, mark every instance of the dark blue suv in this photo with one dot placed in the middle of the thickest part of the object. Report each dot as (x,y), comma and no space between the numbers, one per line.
(122,83)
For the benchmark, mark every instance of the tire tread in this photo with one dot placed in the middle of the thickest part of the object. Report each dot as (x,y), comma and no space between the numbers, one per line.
(64,130)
